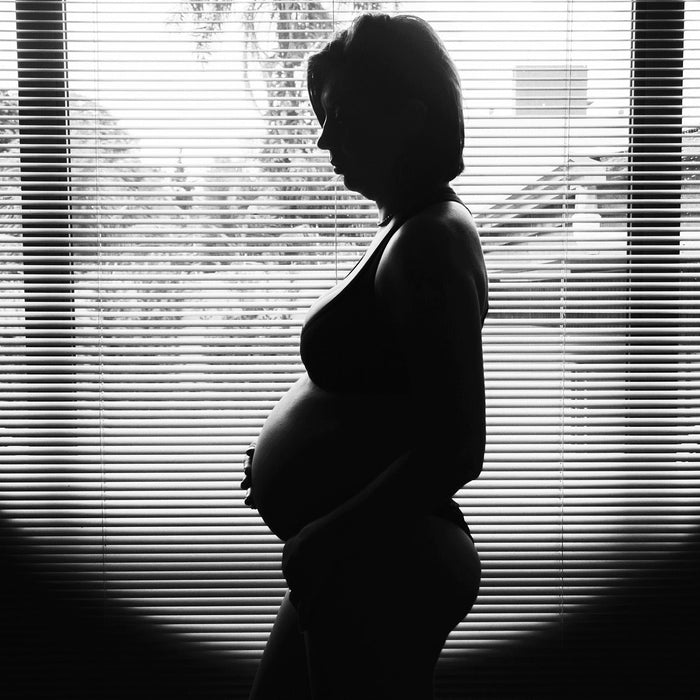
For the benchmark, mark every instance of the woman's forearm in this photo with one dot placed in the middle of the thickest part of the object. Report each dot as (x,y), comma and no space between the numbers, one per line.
(411,486)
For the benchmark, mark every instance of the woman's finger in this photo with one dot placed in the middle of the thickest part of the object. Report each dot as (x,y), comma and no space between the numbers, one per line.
(246,482)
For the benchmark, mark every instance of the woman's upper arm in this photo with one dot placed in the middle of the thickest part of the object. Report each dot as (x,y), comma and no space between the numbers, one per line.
(430,288)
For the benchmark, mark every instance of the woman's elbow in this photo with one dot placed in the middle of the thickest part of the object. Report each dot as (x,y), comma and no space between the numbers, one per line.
(459,449)
(467,461)
(472,463)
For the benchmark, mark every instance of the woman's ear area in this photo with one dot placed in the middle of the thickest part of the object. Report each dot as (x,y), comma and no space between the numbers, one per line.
(413,114)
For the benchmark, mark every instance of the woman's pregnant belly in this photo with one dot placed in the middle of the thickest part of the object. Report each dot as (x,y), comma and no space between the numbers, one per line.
(317,449)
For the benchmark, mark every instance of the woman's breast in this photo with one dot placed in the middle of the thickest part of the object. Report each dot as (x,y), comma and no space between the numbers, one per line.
(318,448)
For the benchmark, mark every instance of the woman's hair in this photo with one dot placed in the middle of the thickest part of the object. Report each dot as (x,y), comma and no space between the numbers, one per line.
(396,58)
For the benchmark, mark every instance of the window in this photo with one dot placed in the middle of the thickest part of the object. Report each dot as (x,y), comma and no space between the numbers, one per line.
(551,90)
(167,220)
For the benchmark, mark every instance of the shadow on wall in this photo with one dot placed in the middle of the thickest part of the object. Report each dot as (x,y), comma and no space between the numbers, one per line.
(87,648)
(639,640)
(55,648)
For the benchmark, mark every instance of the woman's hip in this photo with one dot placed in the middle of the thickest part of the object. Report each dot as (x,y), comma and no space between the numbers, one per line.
(428,570)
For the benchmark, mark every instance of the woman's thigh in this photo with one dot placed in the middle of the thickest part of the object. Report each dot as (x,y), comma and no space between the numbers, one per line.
(379,628)
(282,672)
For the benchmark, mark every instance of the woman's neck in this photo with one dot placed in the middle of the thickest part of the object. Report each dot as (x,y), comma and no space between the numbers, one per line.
(389,206)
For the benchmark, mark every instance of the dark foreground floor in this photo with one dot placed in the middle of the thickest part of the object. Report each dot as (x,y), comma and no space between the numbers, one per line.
(51,648)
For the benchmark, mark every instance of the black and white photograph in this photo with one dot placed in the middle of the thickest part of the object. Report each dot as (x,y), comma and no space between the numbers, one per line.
(350,349)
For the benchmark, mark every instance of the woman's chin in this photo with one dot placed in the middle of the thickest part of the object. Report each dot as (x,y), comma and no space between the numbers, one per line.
(349,181)
(356,185)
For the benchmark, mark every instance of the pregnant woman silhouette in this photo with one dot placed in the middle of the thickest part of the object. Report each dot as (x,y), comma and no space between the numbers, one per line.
(356,466)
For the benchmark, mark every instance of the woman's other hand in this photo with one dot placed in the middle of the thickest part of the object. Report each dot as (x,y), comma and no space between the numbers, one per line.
(298,559)
(306,564)
(246,483)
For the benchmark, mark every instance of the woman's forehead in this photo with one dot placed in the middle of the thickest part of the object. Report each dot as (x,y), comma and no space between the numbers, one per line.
(342,89)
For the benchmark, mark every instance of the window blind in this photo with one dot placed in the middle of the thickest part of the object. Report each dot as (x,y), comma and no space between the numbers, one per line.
(167,220)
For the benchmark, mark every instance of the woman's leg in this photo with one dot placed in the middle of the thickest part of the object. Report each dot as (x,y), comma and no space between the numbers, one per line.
(381,624)
(282,673)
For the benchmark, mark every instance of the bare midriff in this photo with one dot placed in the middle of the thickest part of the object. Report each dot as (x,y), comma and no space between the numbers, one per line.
(317,449)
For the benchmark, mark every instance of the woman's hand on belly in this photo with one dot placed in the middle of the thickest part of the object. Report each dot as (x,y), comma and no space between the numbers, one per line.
(246,482)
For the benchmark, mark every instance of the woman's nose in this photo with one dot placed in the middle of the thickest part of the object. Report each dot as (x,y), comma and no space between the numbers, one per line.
(323,141)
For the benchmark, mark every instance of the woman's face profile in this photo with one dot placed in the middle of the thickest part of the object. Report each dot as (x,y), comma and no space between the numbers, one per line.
(360,134)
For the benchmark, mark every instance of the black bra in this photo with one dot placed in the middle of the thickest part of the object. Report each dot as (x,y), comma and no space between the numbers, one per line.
(344,345)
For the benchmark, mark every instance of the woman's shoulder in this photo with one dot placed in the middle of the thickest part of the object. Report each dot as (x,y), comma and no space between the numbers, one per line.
(439,246)
(442,234)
